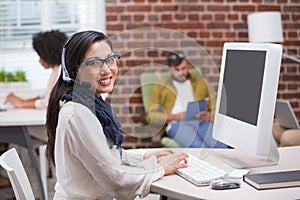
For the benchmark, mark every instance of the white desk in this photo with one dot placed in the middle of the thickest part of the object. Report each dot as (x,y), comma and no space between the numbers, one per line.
(178,188)
(22,117)
(13,129)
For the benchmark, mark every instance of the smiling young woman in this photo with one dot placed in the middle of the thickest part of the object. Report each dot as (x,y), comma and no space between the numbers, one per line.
(85,137)
(100,67)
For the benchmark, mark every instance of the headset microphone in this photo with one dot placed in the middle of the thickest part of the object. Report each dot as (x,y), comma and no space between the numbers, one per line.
(65,74)
(84,84)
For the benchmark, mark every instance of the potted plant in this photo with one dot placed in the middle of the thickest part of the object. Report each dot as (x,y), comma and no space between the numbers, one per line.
(17,76)
(20,76)
(2,75)
(13,82)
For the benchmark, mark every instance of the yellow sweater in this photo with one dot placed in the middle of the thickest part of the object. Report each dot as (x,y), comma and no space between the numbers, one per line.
(163,98)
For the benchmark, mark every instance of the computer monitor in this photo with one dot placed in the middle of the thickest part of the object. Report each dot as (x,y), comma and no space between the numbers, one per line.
(246,102)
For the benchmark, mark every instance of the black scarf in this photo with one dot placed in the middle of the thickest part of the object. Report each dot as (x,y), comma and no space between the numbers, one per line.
(103,111)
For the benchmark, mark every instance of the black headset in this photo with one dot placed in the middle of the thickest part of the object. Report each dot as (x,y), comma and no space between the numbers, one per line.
(65,74)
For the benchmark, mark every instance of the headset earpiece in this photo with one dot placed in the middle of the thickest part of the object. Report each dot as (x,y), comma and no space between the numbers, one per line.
(65,74)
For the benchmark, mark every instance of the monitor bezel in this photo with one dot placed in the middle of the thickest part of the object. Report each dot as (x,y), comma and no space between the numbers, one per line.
(245,137)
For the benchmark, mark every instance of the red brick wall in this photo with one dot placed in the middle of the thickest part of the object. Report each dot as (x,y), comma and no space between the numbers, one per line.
(144,31)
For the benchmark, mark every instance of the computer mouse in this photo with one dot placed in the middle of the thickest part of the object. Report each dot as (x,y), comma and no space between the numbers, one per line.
(224,184)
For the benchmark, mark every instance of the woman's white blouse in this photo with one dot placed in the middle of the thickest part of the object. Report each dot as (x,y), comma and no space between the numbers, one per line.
(88,168)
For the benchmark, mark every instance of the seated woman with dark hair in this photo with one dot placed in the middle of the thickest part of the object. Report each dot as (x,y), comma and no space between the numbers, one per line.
(85,137)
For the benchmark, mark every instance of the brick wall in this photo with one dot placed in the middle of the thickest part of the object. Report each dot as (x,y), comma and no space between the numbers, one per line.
(144,31)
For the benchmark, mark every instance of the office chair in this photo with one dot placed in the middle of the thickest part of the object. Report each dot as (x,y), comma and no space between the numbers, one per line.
(43,168)
(11,162)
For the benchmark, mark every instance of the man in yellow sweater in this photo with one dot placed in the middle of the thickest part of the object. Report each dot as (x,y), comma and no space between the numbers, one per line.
(168,103)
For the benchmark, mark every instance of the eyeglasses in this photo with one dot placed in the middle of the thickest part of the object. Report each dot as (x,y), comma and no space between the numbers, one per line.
(110,62)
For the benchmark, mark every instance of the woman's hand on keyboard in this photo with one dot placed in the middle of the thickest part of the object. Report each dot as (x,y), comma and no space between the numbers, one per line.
(172,162)
(157,154)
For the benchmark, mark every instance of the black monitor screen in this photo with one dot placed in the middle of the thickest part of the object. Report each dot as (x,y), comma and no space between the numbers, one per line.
(242,84)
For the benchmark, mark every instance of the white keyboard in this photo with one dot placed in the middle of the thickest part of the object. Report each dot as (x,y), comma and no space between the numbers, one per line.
(200,172)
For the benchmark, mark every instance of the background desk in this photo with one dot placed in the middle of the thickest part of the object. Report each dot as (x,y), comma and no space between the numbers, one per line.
(13,129)
(176,187)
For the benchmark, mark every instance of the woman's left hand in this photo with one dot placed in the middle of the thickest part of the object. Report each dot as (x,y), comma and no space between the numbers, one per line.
(158,154)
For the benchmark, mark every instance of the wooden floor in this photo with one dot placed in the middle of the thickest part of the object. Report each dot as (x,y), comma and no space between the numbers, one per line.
(6,193)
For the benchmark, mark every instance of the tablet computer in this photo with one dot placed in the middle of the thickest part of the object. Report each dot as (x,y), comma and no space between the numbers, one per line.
(285,115)
(193,108)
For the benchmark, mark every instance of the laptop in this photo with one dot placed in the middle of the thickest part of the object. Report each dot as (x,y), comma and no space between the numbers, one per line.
(193,108)
(285,114)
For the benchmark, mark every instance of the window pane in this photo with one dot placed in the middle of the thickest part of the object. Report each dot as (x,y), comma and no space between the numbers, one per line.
(8,15)
(61,13)
(20,19)
(30,14)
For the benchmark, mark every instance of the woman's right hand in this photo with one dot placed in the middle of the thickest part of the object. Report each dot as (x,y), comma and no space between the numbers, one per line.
(172,162)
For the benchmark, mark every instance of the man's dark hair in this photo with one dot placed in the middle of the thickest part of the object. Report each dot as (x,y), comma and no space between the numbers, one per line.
(175,58)
(48,45)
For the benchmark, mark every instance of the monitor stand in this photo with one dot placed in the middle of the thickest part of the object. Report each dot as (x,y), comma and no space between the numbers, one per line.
(245,161)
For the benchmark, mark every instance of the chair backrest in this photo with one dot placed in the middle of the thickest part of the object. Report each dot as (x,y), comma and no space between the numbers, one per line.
(148,79)
(11,162)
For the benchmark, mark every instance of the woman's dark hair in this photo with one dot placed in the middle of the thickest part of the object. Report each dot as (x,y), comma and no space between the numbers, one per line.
(48,45)
(75,50)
